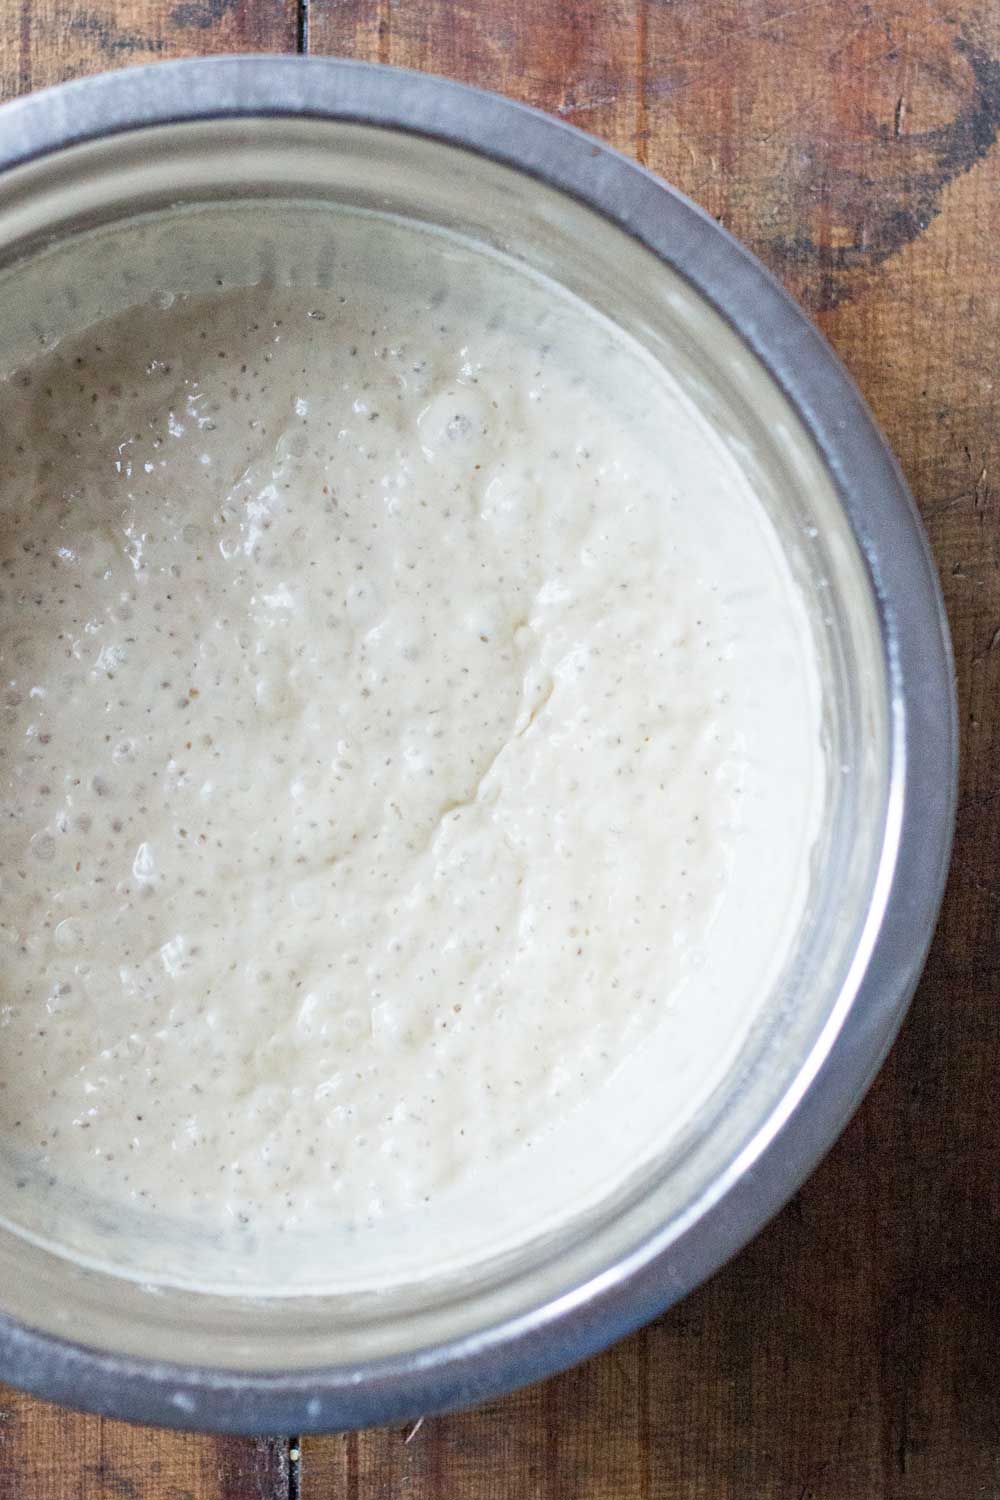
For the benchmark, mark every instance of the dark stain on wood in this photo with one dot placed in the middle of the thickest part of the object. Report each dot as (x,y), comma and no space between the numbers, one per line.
(202,14)
(912,188)
(110,1484)
(103,31)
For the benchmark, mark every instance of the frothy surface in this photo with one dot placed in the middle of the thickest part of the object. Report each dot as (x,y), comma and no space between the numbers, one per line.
(406,711)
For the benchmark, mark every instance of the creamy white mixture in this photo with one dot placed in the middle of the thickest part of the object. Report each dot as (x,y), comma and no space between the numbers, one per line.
(407,716)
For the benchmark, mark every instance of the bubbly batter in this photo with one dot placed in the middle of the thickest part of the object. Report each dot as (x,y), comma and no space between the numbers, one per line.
(406,711)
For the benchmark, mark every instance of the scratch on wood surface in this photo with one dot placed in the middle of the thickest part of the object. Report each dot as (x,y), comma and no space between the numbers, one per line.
(899,117)
(669,89)
(991,646)
(809,111)
(981,885)
(930,509)
(982,490)
(757,27)
(578,106)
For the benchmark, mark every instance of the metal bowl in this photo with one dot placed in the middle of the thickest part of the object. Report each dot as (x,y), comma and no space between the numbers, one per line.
(80,162)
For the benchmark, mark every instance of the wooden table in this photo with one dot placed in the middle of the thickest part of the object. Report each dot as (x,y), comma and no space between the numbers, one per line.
(852,1351)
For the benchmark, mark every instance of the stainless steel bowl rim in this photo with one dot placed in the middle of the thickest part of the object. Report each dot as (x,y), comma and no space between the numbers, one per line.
(923,748)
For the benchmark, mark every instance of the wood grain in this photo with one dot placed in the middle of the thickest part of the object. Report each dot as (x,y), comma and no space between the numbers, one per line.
(47,41)
(47,1453)
(851,1351)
